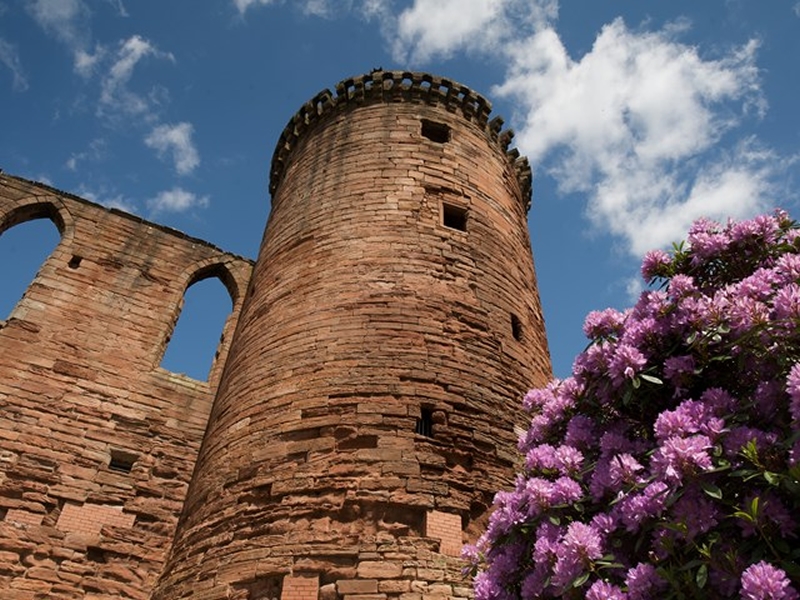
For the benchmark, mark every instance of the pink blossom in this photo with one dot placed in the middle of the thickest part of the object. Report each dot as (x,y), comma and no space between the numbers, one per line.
(678,457)
(655,264)
(762,581)
(643,582)
(601,590)
(603,323)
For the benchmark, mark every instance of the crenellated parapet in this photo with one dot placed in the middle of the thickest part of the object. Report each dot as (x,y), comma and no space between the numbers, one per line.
(400,86)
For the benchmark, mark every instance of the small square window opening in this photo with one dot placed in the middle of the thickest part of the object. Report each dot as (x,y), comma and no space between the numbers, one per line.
(454,217)
(122,461)
(435,132)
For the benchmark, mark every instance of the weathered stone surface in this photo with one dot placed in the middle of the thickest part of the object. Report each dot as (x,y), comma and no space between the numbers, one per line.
(358,423)
(80,381)
(392,325)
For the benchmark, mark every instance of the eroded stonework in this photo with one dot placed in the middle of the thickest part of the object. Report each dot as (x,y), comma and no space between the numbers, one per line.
(352,431)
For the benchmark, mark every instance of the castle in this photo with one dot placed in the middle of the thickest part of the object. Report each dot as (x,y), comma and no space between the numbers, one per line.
(360,412)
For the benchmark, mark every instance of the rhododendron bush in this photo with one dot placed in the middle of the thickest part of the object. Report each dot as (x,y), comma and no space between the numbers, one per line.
(667,465)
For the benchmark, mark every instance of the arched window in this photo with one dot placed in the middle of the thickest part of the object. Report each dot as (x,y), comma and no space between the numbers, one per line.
(27,239)
(192,347)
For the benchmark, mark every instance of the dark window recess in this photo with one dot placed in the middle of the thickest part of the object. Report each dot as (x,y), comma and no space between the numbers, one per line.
(454,217)
(122,461)
(95,554)
(516,327)
(74,262)
(435,132)
(425,423)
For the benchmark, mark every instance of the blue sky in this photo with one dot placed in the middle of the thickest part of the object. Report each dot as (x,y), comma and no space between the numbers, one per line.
(638,116)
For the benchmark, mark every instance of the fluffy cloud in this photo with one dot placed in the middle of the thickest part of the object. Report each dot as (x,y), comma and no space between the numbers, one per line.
(10,58)
(175,140)
(176,200)
(441,27)
(634,125)
(68,22)
(115,97)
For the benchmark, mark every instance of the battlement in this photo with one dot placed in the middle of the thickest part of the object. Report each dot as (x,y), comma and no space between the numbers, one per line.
(400,86)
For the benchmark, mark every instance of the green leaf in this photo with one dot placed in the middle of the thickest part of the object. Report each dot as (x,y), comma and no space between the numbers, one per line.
(712,490)
(743,515)
(702,576)
(555,519)
(581,580)
(772,478)
(754,508)
(651,378)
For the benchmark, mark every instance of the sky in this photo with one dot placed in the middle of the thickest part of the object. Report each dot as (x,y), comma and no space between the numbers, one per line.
(638,116)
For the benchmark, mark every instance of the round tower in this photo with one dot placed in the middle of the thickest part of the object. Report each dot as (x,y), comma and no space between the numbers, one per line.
(365,416)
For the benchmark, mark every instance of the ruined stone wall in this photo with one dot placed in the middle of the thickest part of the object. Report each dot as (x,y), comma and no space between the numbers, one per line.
(365,416)
(97,441)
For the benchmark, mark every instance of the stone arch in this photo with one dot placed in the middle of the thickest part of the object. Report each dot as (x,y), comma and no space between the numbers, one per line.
(221,268)
(35,208)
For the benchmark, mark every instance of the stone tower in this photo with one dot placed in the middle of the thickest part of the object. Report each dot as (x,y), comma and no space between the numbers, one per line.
(365,416)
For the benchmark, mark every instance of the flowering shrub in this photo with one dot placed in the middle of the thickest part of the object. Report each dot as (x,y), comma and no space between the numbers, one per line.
(668,465)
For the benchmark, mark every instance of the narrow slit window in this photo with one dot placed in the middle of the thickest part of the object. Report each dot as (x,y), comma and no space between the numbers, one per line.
(454,217)
(516,327)
(435,132)
(122,461)
(425,423)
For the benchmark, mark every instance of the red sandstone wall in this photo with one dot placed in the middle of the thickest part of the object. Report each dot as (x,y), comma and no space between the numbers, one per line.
(366,314)
(79,380)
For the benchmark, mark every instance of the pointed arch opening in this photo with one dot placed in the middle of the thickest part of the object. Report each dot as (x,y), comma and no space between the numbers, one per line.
(195,341)
(28,236)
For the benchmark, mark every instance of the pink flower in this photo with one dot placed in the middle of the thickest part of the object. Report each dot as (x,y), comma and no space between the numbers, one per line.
(762,581)
(643,582)
(677,457)
(603,323)
(655,264)
(601,590)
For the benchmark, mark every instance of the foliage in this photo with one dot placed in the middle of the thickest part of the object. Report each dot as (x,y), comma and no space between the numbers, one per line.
(668,465)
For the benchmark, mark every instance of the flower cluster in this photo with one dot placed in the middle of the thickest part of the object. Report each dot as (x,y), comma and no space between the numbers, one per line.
(668,465)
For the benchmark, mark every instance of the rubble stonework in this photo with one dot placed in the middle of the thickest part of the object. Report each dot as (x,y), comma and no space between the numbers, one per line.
(365,408)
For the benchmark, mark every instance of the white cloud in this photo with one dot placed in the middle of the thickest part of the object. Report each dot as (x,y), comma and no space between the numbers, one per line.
(106,198)
(367,9)
(796,9)
(86,62)
(68,22)
(176,200)
(10,58)
(634,124)
(175,140)
(243,5)
(441,27)
(96,151)
(117,4)
(115,97)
